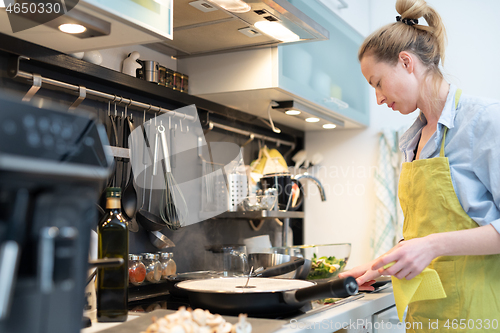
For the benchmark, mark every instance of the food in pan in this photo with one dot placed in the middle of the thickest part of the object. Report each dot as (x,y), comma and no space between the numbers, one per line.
(325,267)
(201,321)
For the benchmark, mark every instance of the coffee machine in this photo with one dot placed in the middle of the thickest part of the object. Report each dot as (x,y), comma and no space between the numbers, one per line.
(53,164)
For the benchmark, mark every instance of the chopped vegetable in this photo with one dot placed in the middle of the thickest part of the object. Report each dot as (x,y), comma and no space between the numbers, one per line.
(325,267)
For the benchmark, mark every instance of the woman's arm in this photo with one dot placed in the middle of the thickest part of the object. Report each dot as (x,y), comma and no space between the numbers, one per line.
(414,255)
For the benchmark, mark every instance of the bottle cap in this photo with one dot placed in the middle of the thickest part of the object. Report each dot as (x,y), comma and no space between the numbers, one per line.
(113,192)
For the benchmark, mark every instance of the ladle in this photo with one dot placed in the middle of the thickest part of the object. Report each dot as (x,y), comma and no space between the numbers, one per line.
(129,195)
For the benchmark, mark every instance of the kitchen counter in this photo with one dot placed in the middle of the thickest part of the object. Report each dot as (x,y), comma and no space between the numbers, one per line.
(349,315)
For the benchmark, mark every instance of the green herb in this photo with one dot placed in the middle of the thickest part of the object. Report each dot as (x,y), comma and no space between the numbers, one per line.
(325,267)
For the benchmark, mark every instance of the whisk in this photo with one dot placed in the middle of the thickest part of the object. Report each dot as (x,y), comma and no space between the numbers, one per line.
(173,206)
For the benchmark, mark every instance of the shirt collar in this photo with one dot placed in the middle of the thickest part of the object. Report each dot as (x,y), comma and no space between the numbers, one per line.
(410,138)
(447,117)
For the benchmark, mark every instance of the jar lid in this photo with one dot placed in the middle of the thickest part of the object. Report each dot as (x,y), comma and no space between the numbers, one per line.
(133,257)
(149,256)
(164,255)
(156,256)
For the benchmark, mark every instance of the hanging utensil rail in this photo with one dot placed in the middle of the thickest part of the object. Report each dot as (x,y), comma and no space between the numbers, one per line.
(211,125)
(84,92)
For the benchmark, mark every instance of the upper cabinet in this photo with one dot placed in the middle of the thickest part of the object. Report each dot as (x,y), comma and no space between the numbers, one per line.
(322,79)
(355,12)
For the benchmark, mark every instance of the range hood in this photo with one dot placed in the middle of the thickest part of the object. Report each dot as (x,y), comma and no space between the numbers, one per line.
(203,27)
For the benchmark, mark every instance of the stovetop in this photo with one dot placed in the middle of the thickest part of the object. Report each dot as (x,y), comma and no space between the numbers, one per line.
(170,302)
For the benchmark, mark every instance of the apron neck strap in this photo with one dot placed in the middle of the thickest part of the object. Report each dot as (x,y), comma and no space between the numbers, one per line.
(458,93)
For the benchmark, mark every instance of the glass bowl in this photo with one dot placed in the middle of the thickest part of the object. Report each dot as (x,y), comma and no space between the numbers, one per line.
(258,202)
(327,260)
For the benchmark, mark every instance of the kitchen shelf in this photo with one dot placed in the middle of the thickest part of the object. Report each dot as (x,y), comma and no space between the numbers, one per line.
(258,215)
(147,290)
(62,67)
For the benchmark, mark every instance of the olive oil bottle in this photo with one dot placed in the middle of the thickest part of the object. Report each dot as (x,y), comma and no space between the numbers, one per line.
(112,282)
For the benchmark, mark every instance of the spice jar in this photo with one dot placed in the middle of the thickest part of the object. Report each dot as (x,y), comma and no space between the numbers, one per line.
(158,265)
(136,270)
(162,77)
(169,78)
(169,267)
(153,268)
(177,81)
(185,83)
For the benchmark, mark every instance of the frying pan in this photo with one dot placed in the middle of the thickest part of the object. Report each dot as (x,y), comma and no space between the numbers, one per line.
(173,280)
(263,297)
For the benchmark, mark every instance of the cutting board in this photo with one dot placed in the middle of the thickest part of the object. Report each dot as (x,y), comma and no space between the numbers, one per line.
(140,324)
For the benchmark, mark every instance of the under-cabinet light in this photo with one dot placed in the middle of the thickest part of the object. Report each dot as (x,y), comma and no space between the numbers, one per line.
(71,28)
(329,126)
(277,30)
(292,112)
(312,120)
(233,6)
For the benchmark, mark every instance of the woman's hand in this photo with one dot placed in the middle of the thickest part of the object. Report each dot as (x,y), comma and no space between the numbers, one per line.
(363,274)
(410,258)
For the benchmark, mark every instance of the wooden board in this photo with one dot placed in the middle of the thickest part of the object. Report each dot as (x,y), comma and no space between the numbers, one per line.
(140,324)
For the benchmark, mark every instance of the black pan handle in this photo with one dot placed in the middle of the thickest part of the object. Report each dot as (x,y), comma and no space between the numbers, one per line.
(338,288)
(284,268)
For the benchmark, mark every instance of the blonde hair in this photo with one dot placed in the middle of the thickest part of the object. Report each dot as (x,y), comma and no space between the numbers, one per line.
(428,43)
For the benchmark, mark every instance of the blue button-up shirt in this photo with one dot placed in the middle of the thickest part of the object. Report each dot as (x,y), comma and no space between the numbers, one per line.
(472,146)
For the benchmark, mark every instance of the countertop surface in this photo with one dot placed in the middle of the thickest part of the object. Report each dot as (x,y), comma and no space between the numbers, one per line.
(327,319)
(342,316)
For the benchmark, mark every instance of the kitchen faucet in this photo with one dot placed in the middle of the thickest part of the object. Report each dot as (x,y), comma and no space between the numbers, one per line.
(316,181)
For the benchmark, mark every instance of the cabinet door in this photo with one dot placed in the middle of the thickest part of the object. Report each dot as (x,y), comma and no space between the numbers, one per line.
(387,321)
(355,12)
(325,72)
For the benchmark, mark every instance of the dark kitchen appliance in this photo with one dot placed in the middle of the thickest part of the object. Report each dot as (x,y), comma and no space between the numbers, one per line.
(52,166)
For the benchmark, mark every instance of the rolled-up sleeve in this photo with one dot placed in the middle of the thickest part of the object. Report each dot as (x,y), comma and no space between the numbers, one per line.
(485,142)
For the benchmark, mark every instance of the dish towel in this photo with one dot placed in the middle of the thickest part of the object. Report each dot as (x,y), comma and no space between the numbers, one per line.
(425,286)
(387,229)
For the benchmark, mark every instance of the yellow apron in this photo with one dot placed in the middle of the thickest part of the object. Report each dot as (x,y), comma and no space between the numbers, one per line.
(472,283)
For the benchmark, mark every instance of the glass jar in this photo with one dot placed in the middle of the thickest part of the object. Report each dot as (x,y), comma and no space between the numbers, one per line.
(158,265)
(169,78)
(169,267)
(153,272)
(177,81)
(136,270)
(185,83)
(162,77)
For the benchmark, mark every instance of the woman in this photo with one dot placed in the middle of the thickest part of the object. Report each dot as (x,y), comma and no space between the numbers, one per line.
(449,189)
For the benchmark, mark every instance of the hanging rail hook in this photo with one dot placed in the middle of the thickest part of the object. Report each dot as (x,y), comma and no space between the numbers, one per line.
(288,152)
(37,84)
(252,137)
(82,92)
(210,127)
(119,102)
(109,105)
(126,108)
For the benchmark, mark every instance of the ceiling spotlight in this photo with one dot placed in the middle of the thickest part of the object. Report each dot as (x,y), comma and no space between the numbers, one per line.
(71,28)
(292,112)
(329,126)
(312,120)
